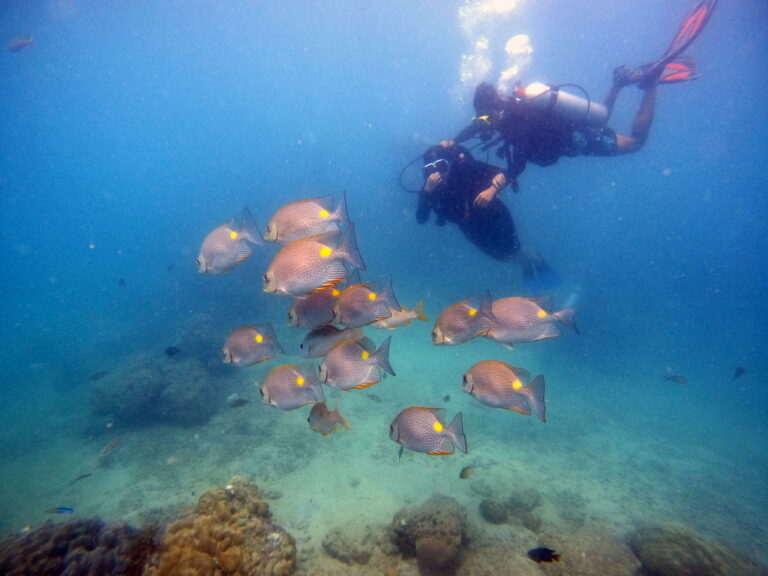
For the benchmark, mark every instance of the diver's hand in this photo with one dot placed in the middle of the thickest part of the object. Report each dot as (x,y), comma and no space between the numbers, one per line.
(433,181)
(447,143)
(485,197)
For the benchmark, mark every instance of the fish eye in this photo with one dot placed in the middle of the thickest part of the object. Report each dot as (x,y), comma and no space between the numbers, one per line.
(464,379)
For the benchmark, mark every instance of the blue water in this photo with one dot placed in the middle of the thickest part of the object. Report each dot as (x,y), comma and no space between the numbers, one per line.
(130,130)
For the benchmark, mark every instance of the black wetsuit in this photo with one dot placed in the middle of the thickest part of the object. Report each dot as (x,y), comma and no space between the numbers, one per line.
(531,135)
(490,227)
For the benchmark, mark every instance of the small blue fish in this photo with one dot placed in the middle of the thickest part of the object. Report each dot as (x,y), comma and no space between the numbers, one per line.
(60,510)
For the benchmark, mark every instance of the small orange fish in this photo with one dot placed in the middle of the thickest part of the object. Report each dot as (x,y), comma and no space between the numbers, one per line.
(18,43)
(325,421)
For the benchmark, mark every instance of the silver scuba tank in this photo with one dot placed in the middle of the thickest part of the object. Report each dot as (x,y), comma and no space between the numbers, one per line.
(564,105)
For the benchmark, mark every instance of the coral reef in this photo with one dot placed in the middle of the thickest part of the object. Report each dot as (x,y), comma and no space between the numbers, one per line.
(433,532)
(80,547)
(150,388)
(228,533)
(678,551)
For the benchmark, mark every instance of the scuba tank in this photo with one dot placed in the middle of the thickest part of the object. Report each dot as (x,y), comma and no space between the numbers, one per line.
(563,105)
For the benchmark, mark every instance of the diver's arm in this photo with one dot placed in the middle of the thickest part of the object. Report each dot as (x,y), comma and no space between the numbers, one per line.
(469,132)
(516,162)
(424,208)
(426,196)
(496,181)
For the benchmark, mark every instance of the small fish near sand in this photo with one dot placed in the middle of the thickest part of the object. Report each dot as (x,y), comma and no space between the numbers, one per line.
(467,471)
(110,447)
(236,401)
(60,510)
(172,351)
(81,477)
(543,555)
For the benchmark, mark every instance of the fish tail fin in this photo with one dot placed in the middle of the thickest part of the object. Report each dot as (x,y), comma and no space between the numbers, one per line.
(348,249)
(456,432)
(536,398)
(272,337)
(248,228)
(419,310)
(341,210)
(566,317)
(487,319)
(388,295)
(342,420)
(382,356)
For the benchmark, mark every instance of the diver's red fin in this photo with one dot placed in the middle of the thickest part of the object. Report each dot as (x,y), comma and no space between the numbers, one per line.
(690,29)
(680,69)
(688,32)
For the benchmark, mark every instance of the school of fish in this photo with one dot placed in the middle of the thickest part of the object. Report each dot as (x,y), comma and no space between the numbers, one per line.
(318,265)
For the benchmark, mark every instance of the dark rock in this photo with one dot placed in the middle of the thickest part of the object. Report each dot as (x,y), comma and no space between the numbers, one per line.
(493,511)
(345,549)
(678,551)
(433,532)
(146,389)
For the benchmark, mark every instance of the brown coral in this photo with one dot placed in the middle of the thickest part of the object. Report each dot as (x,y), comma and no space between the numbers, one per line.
(80,547)
(229,534)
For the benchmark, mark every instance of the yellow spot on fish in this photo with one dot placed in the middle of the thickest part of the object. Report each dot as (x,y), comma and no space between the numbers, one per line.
(325,252)
(516,385)
(258,338)
(365,355)
(324,214)
(299,381)
(541,314)
(372,296)
(335,292)
(232,235)
(472,312)
(437,427)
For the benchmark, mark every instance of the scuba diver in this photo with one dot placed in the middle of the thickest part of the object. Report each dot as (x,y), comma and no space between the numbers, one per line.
(465,191)
(540,124)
